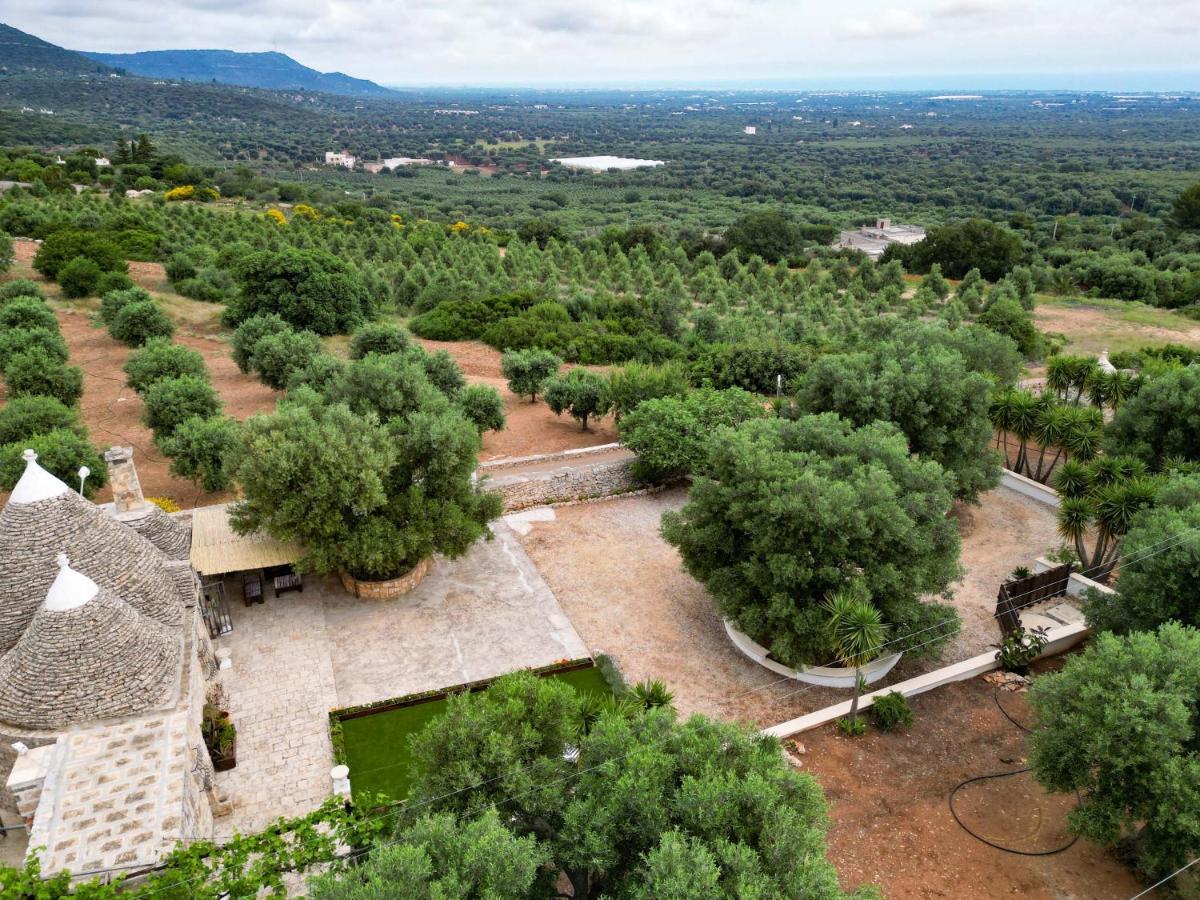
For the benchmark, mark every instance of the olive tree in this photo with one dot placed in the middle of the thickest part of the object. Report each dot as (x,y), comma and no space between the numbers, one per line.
(580,393)
(526,370)
(1119,724)
(1162,422)
(783,514)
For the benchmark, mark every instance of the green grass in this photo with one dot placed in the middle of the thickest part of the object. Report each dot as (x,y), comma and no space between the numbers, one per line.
(377,746)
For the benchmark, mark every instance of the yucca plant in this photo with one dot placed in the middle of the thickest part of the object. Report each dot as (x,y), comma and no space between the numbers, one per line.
(652,694)
(1099,501)
(857,634)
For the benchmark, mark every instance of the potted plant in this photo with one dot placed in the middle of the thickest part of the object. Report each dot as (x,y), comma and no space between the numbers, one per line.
(1019,648)
(220,737)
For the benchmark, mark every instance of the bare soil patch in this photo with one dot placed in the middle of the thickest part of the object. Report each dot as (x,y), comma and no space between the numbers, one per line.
(1090,329)
(891,822)
(628,595)
(532,427)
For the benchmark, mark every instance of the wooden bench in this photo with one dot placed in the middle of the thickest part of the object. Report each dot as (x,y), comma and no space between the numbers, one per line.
(284,579)
(252,588)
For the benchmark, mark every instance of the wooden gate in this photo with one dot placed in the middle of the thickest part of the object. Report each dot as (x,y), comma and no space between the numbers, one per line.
(1021,593)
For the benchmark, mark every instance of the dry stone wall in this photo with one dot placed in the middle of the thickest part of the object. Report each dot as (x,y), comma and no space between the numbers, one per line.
(558,487)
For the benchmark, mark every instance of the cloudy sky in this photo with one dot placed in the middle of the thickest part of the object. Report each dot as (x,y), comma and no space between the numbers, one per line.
(966,43)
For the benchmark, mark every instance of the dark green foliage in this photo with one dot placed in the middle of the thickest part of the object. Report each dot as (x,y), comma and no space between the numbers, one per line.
(580,393)
(27,313)
(201,449)
(1161,422)
(527,370)
(770,234)
(891,712)
(20,287)
(635,382)
(23,417)
(443,372)
(6,252)
(61,453)
(1186,209)
(1006,316)
(378,337)
(19,340)
(453,320)
(157,359)
(310,289)
(79,278)
(484,406)
(113,281)
(1159,580)
(113,302)
(1020,647)
(941,407)
(783,514)
(960,246)
(249,333)
(39,372)
(279,355)
(391,387)
(1119,725)
(755,365)
(172,401)
(136,323)
(61,247)
(321,372)
(670,434)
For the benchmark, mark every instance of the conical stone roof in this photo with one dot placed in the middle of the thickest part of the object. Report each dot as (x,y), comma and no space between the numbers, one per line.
(86,655)
(44,516)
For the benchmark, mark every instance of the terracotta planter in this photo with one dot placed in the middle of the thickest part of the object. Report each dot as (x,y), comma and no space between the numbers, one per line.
(390,589)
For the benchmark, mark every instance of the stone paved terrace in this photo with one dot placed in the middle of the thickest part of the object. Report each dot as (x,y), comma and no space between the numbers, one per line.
(298,656)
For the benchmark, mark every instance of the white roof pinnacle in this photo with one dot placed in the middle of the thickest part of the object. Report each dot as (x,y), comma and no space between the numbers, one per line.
(71,589)
(36,483)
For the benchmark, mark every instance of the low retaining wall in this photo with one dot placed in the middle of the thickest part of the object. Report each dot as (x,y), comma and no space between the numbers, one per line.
(587,482)
(387,590)
(1034,490)
(1058,640)
(825,676)
(511,462)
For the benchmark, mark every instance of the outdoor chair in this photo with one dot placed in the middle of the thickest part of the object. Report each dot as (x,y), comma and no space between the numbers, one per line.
(252,588)
(285,578)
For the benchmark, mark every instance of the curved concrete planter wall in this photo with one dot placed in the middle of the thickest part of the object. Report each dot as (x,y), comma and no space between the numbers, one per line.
(387,590)
(825,676)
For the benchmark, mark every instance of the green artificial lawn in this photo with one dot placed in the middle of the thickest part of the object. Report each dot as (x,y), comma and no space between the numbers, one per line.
(377,745)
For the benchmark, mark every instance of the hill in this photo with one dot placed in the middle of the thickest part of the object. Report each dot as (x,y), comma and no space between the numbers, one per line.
(273,71)
(23,53)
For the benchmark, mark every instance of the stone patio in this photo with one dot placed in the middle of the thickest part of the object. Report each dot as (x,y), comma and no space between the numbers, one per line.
(299,656)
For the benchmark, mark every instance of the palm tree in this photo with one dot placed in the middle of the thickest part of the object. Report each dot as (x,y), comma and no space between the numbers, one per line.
(1103,497)
(857,634)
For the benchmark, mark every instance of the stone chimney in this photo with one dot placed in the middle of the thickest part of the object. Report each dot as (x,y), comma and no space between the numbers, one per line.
(123,479)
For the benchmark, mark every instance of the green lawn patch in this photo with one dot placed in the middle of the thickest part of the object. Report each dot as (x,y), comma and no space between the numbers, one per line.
(373,740)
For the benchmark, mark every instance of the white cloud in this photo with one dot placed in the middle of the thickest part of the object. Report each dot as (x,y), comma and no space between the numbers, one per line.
(891,23)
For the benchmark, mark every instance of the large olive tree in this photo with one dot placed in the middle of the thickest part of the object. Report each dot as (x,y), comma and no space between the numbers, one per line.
(783,514)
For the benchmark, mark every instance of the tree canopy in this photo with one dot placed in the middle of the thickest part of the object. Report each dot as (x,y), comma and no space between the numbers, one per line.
(1162,422)
(309,289)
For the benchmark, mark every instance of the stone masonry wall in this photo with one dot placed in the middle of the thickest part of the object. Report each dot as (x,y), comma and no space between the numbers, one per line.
(600,481)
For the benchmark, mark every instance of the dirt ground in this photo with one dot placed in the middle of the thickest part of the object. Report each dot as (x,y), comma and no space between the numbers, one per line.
(891,822)
(1090,328)
(625,590)
(532,427)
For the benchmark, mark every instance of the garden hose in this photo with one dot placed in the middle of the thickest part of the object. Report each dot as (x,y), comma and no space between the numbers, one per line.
(995,775)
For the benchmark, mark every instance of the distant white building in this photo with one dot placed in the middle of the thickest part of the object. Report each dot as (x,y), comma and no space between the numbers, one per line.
(874,239)
(750,129)
(103,161)
(340,159)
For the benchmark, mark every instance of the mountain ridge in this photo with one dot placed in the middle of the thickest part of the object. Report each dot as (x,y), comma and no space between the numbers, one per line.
(24,53)
(268,69)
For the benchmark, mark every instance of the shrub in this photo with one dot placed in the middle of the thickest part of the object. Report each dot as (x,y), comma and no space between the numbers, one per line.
(136,323)
(1161,422)
(166,504)
(60,247)
(580,393)
(527,369)
(444,373)
(211,285)
(37,372)
(20,287)
(23,417)
(891,712)
(378,337)
(113,281)
(249,333)
(453,320)
(635,382)
(201,449)
(157,359)
(279,355)
(20,340)
(484,406)
(172,401)
(310,289)
(27,313)
(1006,316)
(670,434)
(61,453)
(320,373)
(113,302)
(1020,647)
(79,277)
